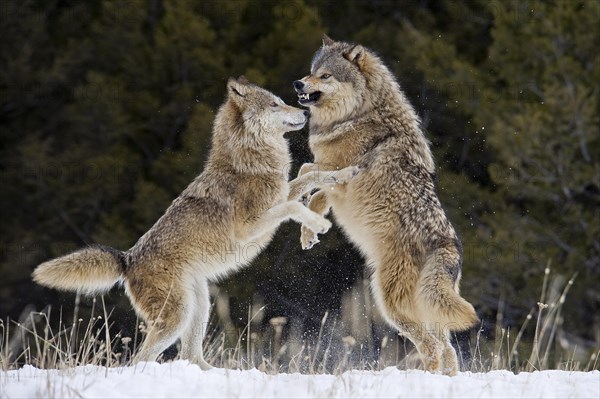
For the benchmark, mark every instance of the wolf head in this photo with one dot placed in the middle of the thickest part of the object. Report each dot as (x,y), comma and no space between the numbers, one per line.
(345,80)
(249,127)
(254,112)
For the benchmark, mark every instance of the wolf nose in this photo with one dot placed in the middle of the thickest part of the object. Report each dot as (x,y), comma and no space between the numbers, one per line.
(306,113)
(298,85)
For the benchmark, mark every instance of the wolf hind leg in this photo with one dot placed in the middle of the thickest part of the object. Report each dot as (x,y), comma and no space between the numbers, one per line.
(193,336)
(166,316)
(449,358)
(155,343)
(428,345)
(430,348)
(392,285)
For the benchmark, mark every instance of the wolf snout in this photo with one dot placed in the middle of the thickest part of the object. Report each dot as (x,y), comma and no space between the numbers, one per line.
(298,85)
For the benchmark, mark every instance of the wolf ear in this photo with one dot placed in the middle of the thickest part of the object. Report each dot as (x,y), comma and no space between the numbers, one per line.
(236,87)
(243,80)
(355,55)
(327,41)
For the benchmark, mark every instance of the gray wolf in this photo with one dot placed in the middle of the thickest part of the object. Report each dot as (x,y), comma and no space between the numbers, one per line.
(218,224)
(390,211)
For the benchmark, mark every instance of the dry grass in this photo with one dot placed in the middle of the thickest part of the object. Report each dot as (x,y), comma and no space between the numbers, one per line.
(509,350)
(277,348)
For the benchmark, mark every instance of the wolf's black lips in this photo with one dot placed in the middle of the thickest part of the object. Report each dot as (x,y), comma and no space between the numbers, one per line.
(308,98)
(295,124)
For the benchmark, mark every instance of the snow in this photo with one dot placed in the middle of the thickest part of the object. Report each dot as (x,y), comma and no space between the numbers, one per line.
(183,380)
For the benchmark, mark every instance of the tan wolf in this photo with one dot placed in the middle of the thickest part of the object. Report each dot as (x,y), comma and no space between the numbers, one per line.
(218,224)
(390,211)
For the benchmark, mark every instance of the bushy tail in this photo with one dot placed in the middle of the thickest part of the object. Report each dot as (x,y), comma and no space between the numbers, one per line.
(439,299)
(88,270)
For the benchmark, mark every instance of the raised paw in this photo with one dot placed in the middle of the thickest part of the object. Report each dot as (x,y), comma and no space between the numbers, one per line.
(449,360)
(308,238)
(305,168)
(318,224)
(345,175)
(305,199)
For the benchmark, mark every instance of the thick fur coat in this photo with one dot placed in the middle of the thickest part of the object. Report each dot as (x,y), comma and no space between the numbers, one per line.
(390,211)
(218,224)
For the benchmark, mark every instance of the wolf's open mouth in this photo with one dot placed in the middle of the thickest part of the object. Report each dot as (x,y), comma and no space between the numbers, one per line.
(308,98)
(295,125)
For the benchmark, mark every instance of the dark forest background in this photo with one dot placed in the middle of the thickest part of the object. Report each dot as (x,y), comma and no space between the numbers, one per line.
(106,110)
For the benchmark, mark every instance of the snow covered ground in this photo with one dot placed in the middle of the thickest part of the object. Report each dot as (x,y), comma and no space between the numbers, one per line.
(182,380)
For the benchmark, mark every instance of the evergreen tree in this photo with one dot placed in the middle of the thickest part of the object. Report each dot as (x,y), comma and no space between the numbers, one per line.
(107,107)
(535,109)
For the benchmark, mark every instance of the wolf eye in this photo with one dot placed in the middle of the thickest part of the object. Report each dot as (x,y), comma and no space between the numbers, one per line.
(325,76)
(274,104)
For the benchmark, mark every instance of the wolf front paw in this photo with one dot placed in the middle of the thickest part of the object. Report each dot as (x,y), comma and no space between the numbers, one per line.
(345,175)
(308,238)
(305,199)
(318,224)
(305,168)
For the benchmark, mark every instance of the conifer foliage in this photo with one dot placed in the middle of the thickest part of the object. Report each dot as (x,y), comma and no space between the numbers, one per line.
(107,106)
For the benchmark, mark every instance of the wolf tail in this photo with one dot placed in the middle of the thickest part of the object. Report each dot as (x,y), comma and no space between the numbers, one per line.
(88,270)
(438,291)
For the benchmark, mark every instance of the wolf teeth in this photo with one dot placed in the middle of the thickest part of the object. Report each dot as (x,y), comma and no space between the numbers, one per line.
(303,96)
